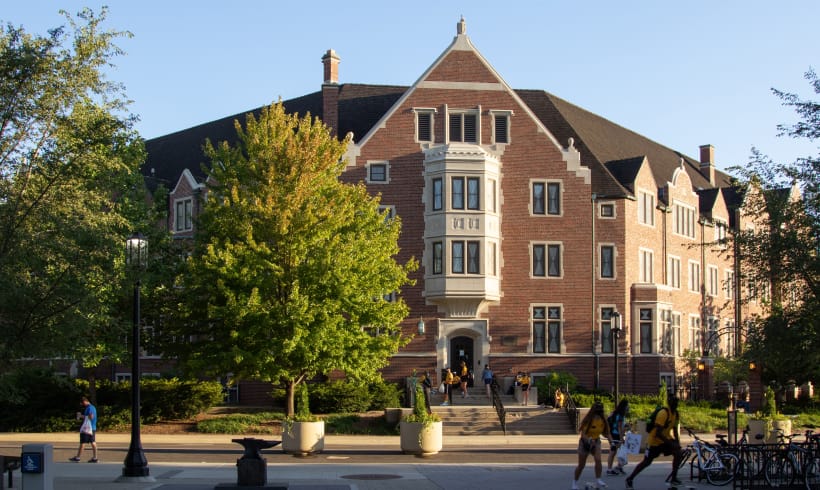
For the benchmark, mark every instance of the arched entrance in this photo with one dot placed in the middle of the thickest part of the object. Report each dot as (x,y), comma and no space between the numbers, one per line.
(462,349)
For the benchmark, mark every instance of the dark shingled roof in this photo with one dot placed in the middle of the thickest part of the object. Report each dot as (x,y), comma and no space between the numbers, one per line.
(612,152)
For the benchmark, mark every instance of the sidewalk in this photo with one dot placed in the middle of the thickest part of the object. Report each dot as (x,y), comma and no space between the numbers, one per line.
(465,464)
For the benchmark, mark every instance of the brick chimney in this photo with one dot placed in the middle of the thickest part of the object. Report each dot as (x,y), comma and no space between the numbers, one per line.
(330,91)
(707,162)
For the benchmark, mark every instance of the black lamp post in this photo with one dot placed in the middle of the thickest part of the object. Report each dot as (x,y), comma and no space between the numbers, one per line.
(136,465)
(615,328)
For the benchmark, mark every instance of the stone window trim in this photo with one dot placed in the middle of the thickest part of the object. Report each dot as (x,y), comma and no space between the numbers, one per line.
(183,214)
(551,253)
(377,172)
(424,116)
(607,210)
(551,201)
(602,266)
(547,326)
(466,131)
(501,120)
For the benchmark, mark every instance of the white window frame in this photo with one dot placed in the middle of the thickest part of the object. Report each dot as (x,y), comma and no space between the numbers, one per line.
(646,264)
(673,271)
(374,163)
(712,280)
(729,284)
(694,279)
(494,113)
(721,230)
(426,111)
(684,220)
(186,224)
(695,334)
(547,183)
(646,208)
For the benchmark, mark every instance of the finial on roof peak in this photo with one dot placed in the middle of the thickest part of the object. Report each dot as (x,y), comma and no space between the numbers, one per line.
(681,163)
(461,27)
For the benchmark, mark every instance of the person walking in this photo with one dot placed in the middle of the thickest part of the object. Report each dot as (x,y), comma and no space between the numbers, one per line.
(487,377)
(449,380)
(592,426)
(663,439)
(616,422)
(88,431)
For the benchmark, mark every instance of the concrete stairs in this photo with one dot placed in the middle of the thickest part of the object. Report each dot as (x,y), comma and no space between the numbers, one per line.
(475,415)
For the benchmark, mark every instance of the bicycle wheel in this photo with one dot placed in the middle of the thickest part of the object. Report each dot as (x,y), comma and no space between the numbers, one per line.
(721,469)
(811,477)
(779,471)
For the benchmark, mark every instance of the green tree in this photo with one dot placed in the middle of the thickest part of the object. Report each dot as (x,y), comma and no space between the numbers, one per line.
(292,270)
(781,250)
(69,191)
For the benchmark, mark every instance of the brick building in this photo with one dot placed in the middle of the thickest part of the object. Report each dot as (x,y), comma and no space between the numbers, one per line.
(533,221)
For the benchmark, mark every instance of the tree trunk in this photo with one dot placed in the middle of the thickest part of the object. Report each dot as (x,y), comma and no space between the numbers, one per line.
(290,390)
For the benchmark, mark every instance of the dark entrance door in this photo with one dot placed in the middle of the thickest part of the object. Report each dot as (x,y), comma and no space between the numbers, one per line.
(461,349)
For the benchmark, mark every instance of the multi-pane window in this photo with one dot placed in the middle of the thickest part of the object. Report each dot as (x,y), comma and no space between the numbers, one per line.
(694,277)
(501,127)
(438,194)
(457,257)
(667,331)
(684,220)
(695,334)
(607,261)
(465,257)
(645,330)
(388,211)
(546,198)
(554,324)
(491,199)
(646,260)
(492,259)
(712,281)
(424,125)
(377,172)
(546,260)
(183,216)
(539,329)
(464,127)
(438,258)
(646,208)
(473,193)
(457,192)
(673,272)
(729,284)
(607,338)
(712,337)
(720,233)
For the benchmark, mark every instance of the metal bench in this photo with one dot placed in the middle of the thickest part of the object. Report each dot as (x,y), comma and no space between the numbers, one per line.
(9,463)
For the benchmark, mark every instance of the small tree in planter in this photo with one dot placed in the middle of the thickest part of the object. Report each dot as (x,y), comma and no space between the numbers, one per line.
(421,432)
(303,433)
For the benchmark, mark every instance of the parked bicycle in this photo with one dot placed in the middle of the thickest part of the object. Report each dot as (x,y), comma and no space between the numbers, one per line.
(718,465)
(794,462)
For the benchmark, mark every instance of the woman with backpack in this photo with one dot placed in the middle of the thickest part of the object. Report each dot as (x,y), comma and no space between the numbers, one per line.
(616,422)
(593,425)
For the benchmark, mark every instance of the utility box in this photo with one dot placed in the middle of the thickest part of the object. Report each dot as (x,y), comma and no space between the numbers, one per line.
(37,466)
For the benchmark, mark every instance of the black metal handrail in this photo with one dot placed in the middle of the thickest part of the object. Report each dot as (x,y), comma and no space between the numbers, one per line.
(499,406)
(572,411)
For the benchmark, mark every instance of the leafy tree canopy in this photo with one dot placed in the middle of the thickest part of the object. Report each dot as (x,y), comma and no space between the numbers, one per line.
(781,250)
(68,190)
(293,270)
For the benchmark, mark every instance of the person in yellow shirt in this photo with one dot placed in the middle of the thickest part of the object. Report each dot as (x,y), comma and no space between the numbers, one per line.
(663,439)
(449,379)
(593,425)
(525,387)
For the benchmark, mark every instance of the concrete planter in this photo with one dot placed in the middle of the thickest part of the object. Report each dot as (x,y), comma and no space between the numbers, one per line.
(420,440)
(303,438)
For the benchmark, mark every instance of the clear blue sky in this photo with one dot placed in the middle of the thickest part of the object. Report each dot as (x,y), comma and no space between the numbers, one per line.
(681,73)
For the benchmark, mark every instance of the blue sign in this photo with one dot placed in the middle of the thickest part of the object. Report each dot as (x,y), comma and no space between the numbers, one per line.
(31,463)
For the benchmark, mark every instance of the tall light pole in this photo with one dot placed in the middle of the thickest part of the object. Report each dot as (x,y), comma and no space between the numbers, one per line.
(615,328)
(136,465)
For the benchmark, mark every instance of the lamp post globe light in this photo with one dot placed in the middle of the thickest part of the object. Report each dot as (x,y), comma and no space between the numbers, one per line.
(135,464)
(615,328)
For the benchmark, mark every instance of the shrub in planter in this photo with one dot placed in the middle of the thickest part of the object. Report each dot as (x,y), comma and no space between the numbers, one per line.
(420,431)
(304,433)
